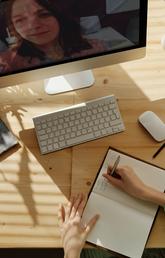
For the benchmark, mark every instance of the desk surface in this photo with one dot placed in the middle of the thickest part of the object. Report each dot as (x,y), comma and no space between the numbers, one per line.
(32,186)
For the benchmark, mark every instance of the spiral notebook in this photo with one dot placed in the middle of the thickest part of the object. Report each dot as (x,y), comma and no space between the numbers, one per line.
(125,222)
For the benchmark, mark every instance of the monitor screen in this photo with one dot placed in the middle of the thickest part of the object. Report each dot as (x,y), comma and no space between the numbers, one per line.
(44,33)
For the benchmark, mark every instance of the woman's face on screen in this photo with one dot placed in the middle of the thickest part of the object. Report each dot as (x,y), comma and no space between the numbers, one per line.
(34,23)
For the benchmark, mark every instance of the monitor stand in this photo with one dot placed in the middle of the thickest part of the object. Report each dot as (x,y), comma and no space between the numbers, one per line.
(69,82)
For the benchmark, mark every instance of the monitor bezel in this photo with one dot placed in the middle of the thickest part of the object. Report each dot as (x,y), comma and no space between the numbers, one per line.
(83,63)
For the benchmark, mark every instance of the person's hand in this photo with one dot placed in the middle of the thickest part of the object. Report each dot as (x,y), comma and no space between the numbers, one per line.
(129,182)
(73,233)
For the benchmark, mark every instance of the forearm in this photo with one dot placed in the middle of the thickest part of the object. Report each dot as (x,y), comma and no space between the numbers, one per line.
(154,196)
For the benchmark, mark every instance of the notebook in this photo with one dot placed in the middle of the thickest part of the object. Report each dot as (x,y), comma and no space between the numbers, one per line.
(125,222)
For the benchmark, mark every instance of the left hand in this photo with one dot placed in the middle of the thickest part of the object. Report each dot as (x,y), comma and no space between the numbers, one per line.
(73,233)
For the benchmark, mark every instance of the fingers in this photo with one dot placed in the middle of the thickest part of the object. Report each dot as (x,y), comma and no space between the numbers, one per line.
(109,169)
(117,170)
(114,181)
(61,215)
(91,224)
(76,205)
(122,171)
(81,206)
(69,208)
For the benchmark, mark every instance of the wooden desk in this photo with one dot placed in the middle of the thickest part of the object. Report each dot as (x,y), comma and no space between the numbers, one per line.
(32,186)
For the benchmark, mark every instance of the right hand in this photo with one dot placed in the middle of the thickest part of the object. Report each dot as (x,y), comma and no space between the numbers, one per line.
(129,182)
(73,232)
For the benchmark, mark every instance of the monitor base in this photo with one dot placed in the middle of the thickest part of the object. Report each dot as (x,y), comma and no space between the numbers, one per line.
(69,82)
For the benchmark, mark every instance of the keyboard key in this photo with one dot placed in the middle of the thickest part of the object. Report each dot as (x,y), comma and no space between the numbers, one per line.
(80,139)
(44,149)
(43,137)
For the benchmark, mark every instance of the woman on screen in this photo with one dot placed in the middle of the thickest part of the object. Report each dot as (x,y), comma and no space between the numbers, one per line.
(43,36)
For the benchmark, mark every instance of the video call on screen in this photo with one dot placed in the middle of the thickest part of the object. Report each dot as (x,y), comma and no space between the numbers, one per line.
(37,33)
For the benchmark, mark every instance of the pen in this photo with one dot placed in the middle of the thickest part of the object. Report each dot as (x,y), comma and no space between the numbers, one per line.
(159,150)
(111,173)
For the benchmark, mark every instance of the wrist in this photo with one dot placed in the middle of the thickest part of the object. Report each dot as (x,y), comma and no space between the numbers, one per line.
(154,196)
(148,194)
(145,193)
(72,255)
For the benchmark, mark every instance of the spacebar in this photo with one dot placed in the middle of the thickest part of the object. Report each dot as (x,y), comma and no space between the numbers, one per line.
(82,138)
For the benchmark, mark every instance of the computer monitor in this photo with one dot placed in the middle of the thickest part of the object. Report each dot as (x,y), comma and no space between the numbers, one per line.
(46,39)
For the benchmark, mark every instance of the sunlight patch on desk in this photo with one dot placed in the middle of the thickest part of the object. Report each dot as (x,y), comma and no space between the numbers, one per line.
(20,89)
(148,80)
(22,220)
(28,233)
(19,208)
(13,177)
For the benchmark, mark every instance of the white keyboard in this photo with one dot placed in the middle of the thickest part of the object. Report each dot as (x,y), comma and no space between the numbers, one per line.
(78,124)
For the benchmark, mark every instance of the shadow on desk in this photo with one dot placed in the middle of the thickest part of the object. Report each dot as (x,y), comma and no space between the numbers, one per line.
(57,165)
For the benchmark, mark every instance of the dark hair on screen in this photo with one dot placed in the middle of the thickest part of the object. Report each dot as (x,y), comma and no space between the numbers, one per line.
(70,37)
